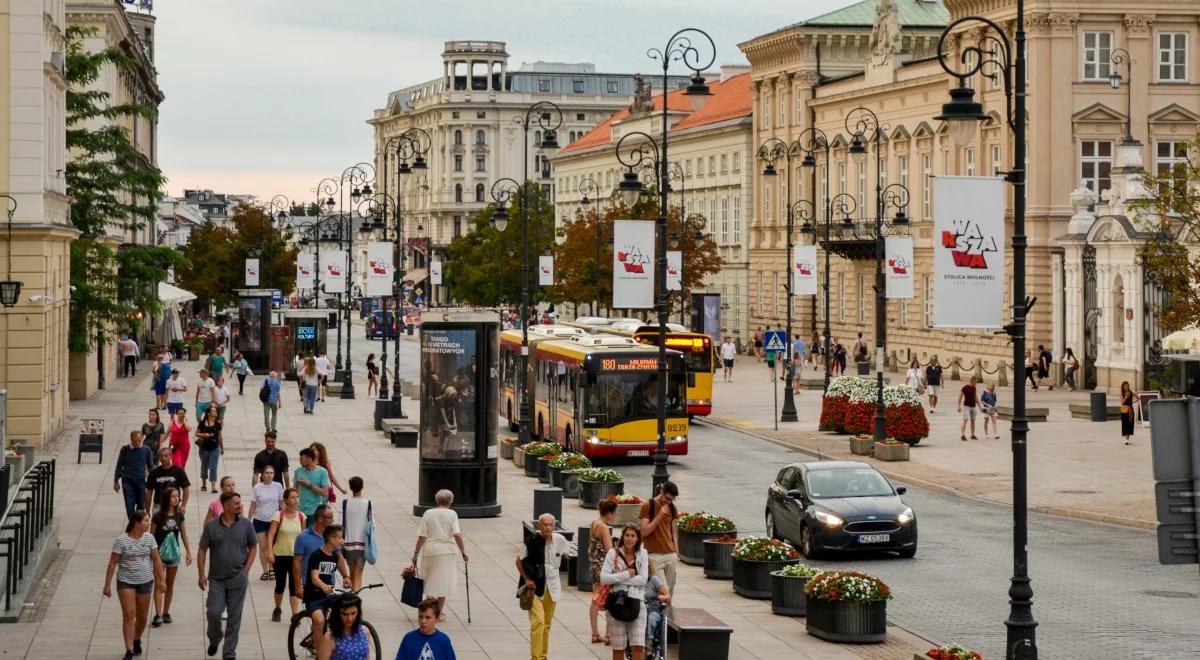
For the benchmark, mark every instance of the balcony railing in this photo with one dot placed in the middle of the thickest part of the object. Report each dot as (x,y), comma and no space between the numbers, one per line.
(856,240)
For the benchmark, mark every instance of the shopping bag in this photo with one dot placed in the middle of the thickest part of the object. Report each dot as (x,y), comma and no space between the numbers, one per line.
(412,591)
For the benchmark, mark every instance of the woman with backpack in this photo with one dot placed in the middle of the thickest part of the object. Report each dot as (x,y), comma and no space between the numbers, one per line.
(171,535)
(625,570)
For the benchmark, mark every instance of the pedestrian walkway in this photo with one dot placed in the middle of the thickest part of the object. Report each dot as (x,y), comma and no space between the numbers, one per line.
(1077,467)
(73,619)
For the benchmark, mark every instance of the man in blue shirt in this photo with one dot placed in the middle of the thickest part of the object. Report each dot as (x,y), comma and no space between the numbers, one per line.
(272,401)
(312,481)
(134,463)
(800,349)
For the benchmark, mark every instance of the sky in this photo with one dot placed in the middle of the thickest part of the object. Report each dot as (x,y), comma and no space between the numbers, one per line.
(270,96)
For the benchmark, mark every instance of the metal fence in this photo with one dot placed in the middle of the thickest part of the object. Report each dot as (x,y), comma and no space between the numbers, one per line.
(27,517)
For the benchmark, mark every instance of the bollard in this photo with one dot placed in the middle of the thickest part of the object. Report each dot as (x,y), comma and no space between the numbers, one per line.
(954,374)
(548,499)
(583,568)
(864,368)
(1002,374)
(978,370)
(1099,407)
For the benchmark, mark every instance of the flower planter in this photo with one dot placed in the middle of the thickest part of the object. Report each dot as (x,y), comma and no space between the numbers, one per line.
(543,469)
(752,579)
(718,559)
(518,457)
(556,475)
(891,452)
(531,465)
(506,449)
(569,483)
(627,514)
(591,492)
(861,446)
(691,546)
(787,595)
(840,621)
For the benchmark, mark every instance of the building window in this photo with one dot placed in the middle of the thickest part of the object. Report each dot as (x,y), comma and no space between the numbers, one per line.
(766,112)
(457,226)
(687,168)
(1097,51)
(1095,164)
(996,162)
(767,202)
(902,161)
(737,220)
(970,158)
(823,176)
(458,138)
(862,300)
(926,187)
(798,95)
(479,192)
(762,312)
(613,87)
(712,165)
(724,163)
(481,115)
(480,164)
(782,108)
(1172,57)
(480,139)
(579,116)
(543,85)
(454,115)
(775,292)
(458,192)
(841,288)
(458,163)
(903,313)
(862,191)
(882,174)
(927,312)
(737,162)
(841,177)
(1170,159)
(724,220)
(577,85)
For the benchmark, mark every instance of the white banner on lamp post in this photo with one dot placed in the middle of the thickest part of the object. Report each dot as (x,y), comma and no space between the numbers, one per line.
(968,252)
(545,270)
(252,272)
(435,273)
(633,264)
(898,266)
(380,272)
(304,271)
(333,275)
(804,270)
(674,270)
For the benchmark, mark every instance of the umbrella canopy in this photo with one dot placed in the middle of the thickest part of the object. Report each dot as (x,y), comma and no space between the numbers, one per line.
(1182,340)
(173,295)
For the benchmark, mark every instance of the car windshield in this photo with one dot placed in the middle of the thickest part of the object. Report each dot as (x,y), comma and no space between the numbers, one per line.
(849,482)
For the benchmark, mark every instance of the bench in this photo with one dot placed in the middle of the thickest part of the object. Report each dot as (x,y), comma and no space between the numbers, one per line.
(1032,414)
(1084,411)
(401,432)
(701,635)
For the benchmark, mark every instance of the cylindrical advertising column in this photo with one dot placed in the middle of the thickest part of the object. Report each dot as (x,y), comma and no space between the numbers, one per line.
(459,402)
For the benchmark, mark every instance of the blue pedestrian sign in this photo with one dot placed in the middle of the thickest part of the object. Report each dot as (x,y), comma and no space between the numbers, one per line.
(775,341)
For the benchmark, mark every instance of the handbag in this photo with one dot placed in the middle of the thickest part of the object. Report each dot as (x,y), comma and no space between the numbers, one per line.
(525,597)
(620,605)
(168,552)
(370,549)
(413,590)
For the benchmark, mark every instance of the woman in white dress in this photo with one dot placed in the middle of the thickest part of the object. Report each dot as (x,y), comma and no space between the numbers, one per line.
(434,555)
(914,378)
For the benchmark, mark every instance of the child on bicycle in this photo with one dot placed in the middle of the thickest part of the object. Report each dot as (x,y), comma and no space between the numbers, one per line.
(324,564)
(426,638)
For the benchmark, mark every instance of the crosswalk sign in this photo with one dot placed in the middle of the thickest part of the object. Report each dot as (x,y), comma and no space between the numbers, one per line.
(775,341)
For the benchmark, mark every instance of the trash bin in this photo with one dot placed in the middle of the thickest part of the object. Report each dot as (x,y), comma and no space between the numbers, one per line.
(409,329)
(547,499)
(1099,407)
(864,368)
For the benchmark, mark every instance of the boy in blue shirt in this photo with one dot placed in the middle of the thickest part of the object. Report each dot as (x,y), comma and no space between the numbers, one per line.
(312,482)
(426,642)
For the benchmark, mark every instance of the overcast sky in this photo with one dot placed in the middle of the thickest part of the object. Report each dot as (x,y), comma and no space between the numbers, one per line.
(270,96)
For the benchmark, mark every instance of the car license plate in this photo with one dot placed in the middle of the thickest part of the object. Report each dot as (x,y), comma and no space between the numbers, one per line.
(638,452)
(874,538)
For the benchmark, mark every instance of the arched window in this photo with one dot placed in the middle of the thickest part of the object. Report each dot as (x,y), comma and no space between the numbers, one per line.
(458,192)
(458,138)
(537,138)
(1118,310)
(479,138)
(479,192)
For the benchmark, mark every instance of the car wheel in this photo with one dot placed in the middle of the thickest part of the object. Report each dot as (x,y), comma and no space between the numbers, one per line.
(908,553)
(772,532)
(808,546)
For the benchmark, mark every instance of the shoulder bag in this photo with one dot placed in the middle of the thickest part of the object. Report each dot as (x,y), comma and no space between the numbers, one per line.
(370,549)
(168,552)
(620,605)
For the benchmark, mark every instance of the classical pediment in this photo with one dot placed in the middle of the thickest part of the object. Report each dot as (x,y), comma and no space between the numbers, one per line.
(900,133)
(1112,229)
(1098,112)
(923,130)
(1174,114)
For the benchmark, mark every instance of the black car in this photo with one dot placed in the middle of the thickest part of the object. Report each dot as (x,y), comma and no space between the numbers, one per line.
(839,505)
(381,324)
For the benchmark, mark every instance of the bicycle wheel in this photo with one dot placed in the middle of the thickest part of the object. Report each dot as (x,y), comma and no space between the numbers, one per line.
(374,640)
(299,632)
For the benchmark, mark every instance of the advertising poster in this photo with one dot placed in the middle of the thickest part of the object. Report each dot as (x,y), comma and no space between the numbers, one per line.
(304,270)
(251,317)
(333,277)
(804,270)
(712,317)
(435,273)
(252,272)
(968,252)
(379,269)
(674,270)
(898,266)
(545,270)
(633,264)
(448,394)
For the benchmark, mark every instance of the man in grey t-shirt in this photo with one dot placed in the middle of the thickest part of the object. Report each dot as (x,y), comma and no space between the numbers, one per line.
(231,540)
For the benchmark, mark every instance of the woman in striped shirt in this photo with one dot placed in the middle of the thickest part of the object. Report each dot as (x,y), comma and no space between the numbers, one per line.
(135,561)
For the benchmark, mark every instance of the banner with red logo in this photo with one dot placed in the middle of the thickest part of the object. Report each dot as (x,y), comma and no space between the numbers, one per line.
(545,270)
(804,270)
(380,273)
(333,271)
(633,264)
(304,270)
(435,273)
(898,266)
(674,270)
(252,272)
(968,252)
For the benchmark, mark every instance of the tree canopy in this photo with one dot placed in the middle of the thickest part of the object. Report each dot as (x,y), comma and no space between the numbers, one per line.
(1171,212)
(216,256)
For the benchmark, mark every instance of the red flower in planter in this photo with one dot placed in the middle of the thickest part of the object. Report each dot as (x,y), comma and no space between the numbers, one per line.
(907,423)
(833,413)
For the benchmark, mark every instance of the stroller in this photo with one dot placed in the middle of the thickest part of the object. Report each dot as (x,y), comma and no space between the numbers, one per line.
(656,637)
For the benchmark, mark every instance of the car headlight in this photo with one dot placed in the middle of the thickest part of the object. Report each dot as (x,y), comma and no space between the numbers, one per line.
(905,516)
(828,519)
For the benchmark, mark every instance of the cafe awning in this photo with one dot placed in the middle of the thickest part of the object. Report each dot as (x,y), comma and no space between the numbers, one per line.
(173,295)
(416,276)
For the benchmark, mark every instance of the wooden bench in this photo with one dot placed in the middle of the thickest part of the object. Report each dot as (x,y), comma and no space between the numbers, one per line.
(701,635)
(1032,414)
(1084,411)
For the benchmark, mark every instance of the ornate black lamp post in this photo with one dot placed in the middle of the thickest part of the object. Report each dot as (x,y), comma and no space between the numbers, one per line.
(10,289)
(962,114)
(359,178)
(771,151)
(1118,57)
(591,191)
(325,191)
(277,216)
(809,140)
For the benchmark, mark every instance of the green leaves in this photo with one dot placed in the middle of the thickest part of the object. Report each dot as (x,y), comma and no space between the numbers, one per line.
(216,256)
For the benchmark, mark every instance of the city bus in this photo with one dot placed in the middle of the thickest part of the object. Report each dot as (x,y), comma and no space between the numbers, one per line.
(510,362)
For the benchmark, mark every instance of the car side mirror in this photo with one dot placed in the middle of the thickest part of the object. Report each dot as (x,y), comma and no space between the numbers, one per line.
(900,490)
(794,494)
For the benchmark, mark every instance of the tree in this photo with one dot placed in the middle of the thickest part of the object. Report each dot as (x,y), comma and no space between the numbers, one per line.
(216,256)
(1170,211)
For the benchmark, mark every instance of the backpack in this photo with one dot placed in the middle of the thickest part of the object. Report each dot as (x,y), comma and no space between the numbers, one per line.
(264,392)
(168,552)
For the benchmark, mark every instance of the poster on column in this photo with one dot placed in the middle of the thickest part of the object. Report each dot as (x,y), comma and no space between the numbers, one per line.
(674,270)
(968,252)
(545,270)
(435,273)
(380,272)
(804,270)
(633,264)
(898,266)
(304,271)
(252,272)
(333,279)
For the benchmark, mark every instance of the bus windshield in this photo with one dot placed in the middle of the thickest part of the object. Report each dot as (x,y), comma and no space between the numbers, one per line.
(626,396)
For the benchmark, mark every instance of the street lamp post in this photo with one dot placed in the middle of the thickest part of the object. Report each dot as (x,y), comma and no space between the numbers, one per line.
(772,150)
(10,289)
(589,186)
(376,206)
(809,140)
(963,114)
(359,177)
(1121,56)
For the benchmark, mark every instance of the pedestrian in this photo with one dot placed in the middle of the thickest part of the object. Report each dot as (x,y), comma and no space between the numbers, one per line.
(795,367)
(242,369)
(771,366)
(205,386)
(356,513)
(323,369)
(231,539)
(313,483)
(269,394)
(801,349)
(625,570)
(273,457)
(135,562)
(128,349)
(933,382)
(153,431)
(599,543)
(215,507)
(321,571)
(1031,370)
(728,353)
(166,475)
(426,642)
(913,378)
(221,397)
(179,441)
(541,555)
(372,376)
(1127,403)
(298,368)
(815,349)
(322,456)
(433,558)
(987,401)
(170,533)
(346,638)
(307,542)
(211,443)
(658,530)
(286,526)
(176,386)
(968,406)
(216,362)
(1045,359)
(758,343)
(840,356)
(657,597)
(860,349)
(1070,368)
(162,375)
(134,463)
(265,500)
(312,378)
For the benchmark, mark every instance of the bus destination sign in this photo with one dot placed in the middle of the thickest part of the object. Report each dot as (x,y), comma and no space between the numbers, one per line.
(628,363)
